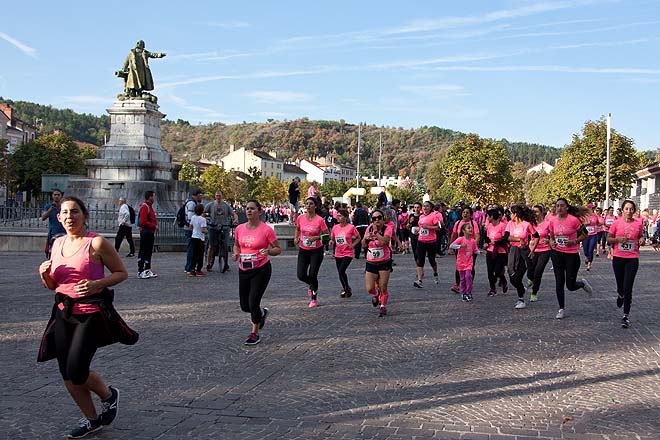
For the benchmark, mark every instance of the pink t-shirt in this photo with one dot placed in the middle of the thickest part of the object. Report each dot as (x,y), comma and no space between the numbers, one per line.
(251,241)
(68,271)
(542,230)
(609,220)
(464,259)
(428,235)
(310,228)
(459,225)
(521,230)
(633,230)
(563,230)
(496,233)
(376,252)
(343,238)
(592,225)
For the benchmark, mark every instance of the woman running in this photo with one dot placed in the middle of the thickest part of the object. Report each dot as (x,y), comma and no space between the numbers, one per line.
(254,243)
(466,217)
(539,252)
(591,223)
(466,248)
(310,228)
(379,260)
(626,234)
(430,221)
(413,226)
(344,237)
(566,232)
(79,325)
(609,220)
(519,231)
(497,250)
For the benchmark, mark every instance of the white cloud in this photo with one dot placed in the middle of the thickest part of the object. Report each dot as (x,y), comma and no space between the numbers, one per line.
(203,111)
(229,24)
(27,50)
(278,97)
(87,100)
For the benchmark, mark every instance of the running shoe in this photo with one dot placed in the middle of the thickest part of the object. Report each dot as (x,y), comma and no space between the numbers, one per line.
(130,255)
(313,303)
(520,304)
(625,323)
(200,274)
(560,314)
(143,275)
(465,297)
(375,299)
(253,339)
(436,279)
(110,407)
(455,289)
(492,292)
(588,266)
(530,283)
(418,284)
(587,287)
(86,426)
(619,301)
(349,292)
(264,314)
(309,292)
(382,311)
(342,294)
(469,296)
(225,269)
(151,274)
(533,297)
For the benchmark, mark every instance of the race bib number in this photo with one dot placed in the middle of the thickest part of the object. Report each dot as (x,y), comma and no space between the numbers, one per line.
(340,239)
(628,246)
(375,253)
(591,229)
(423,232)
(609,221)
(309,243)
(561,240)
(248,260)
(415,230)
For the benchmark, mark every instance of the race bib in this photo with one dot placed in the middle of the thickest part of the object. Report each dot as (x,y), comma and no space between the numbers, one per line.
(423,232)
(591,229)
(340,239)
(415,230)
(561,240)
(375,253)
(628,246)
(609,221)
(248,260)
(309,243)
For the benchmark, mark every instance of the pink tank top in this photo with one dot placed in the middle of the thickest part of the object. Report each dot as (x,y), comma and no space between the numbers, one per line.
(67,271)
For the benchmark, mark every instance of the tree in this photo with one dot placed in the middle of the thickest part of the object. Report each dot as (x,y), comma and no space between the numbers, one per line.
(50,154)
(480,169)
(190,173)
(434,176)
(333,188)
(536,187)
(274,191)
(580,173)
(215,178)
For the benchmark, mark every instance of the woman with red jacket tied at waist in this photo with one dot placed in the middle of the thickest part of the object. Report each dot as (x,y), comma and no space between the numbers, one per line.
(82,318)
(148,228)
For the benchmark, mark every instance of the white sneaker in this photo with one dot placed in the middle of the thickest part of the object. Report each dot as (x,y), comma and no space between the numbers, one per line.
(587,286)
(436,280)
(520,304)
(150,274)
(143,275)
(560,314)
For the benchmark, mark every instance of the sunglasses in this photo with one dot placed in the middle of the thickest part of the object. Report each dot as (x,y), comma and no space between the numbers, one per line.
(377,217)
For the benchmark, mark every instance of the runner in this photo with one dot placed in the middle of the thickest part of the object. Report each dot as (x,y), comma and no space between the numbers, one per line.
(413,227)
(344,237)
(626,234)
(497,250)
(310,228)
(610,218)
(83,318)
(466,248)
(591,223)
(429,223)
(466,217)
(255,242)
(566,232)
(379,260)
(519,232)
(539,252)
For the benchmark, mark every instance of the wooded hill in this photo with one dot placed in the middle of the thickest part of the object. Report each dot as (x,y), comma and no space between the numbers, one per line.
(405,151)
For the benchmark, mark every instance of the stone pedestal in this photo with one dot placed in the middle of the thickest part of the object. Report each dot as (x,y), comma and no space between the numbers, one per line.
(132,162)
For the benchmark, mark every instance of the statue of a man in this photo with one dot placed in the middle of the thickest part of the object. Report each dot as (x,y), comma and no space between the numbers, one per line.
(136,72)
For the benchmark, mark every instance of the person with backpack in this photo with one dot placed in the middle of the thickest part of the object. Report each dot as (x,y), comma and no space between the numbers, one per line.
(148,227)
(191,203)
(126,220)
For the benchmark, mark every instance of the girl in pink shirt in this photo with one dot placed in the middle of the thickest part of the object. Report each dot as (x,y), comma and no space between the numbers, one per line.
(466,249)
(539,252)
(466,217)
(255,242)
(519,232)
(379,260)
(310,229)
(626,235)
(497,250)
(344,237)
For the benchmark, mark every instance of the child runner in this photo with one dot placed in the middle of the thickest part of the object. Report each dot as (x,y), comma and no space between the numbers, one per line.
(309,228)
(344,237)
(199,231)
(626,234)
(466,248)
(497,250)
(519,232)
(539,252)
(466,217)
(379,260)
(429,223)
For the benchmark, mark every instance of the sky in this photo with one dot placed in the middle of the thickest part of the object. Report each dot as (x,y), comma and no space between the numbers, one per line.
(531,71)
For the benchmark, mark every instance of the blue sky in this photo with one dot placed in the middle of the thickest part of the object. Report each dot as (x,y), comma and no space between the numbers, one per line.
(530,71)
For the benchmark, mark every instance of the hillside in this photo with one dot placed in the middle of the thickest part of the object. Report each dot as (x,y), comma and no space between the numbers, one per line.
(405,151)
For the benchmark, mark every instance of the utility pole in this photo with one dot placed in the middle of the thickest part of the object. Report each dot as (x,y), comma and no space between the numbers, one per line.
(357,177)
(380,157)
(607,170)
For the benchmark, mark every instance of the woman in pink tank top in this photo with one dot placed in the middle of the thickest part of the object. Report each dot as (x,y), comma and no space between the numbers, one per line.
(76,273)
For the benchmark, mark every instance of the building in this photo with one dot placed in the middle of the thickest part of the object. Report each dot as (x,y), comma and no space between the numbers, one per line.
(644,191)
(543,166)
(4,121)
(17,131)
(290,171)
(346,173)
(242,160)
(386,181)
(317,172)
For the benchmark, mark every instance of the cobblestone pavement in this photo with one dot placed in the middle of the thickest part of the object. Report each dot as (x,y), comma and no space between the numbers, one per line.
(433,368)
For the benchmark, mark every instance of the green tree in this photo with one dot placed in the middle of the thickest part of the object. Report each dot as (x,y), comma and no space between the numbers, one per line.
(274,191)
(434,176)
(580,172)
(480,169)
(190,173)
(50,154)
(333,188)
(536,188)
(215,178)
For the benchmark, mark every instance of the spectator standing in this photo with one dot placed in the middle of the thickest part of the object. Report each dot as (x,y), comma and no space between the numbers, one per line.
(55,228)
(294,199)
(195,198)
(199,231)
(148,228)
(125,228)
(221,216)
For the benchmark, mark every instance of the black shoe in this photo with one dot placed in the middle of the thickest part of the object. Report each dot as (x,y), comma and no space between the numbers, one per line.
(253,339)
(225,268)
(130,255)
(110,407)
(86,426)
(625,323)
(263,318)
(349,292)
(342,294)
(619,301)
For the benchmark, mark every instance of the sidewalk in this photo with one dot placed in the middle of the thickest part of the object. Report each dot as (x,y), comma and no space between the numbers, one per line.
(433,368)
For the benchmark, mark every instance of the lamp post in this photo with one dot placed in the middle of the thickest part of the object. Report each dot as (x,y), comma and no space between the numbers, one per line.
(607,169)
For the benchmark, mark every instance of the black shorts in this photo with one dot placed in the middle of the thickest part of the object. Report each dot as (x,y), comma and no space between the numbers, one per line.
(378,267)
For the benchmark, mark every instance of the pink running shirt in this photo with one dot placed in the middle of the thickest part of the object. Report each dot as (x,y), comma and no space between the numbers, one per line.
(464,259)
(542,230)
(250,241)
(563,230)
(310,228)
(428,235)
(496,233)
(633,230)
(592,225)
(376,252)
(343,238)
(523,230)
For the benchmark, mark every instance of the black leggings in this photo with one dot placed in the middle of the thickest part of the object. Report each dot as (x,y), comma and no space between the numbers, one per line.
(198,254)
(495,264)
(146,249)
(517,265)
(309,264)
(566,267)
(126,232)
(536,268)
(625,270)
(251,287)
(342,265)
(75,344)
(425,248)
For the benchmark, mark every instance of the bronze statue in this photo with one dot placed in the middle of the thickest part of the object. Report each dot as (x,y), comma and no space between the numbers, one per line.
(136,73)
